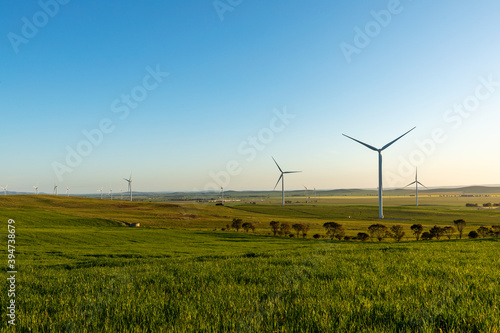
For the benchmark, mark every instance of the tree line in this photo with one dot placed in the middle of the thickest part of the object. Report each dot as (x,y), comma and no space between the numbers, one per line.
(376,231)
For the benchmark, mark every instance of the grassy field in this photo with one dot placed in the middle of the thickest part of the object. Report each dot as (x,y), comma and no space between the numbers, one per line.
(80,269)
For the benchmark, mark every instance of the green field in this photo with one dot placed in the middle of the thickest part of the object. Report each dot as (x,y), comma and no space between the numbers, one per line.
(81,269)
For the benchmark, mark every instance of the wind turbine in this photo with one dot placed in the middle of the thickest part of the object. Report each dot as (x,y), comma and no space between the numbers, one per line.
(121,194)
(5,189)
(55,189)
(67,190)
(110,194)
(306,192)
(100,191)
(36,189)
(416,182)
(222,194)
(129,181)
(380,204)
(282,179)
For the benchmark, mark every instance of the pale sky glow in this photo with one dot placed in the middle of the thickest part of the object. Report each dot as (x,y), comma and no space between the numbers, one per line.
(186,95)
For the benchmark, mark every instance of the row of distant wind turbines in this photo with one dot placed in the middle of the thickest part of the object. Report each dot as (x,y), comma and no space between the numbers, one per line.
(380,187)
(129,181)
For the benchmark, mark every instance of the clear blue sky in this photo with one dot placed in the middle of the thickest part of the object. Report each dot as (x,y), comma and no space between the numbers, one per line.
(247,80)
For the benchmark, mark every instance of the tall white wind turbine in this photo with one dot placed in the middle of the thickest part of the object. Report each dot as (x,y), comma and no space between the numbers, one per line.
(100,190)
(5,189)
(380,203)
(67,190)
(55,189)
(110,194)
(222,194)
(416,182)
(306,193)
(129,181)
(36,188)
(282,179)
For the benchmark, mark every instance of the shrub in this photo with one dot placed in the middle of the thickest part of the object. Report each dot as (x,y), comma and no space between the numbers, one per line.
(379,231)
(471,205)
(347,238)
(248,226)
(473,234)
(362,236)
(334,230)
(237,224)
(436,232)
(317,236)
(275,226)
(483,231)
(285,229)
(426,236)
(449,231)
(417,230)
(397,232)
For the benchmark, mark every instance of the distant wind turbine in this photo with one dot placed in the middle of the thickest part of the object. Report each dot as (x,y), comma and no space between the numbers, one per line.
(5,189)
(282,179)
(55,189)
(110,194)
(100,190)
(306,193)
(67,190)
(129,181)
(380,204)
(222,194)
(121,194)
(416,182)
(36,188)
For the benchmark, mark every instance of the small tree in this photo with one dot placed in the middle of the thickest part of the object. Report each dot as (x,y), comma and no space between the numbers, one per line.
(347,238)
(426,236)
(449,231)
(473,234)
(379,231)
(417,230)
(237,224)
(317,236)
(460,224)
(248,226)
(362,236)
(298,228)
(275,226)
(334,230)
(436,232)
(483,231)
(305,229)
(285,229)
(397,232)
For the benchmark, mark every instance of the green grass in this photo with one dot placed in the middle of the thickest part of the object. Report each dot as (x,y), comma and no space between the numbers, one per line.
(81,270)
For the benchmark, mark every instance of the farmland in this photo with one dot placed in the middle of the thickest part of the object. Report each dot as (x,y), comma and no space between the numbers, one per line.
(81,269)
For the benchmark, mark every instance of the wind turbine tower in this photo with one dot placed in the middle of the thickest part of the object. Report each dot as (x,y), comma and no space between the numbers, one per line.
(416,182)
(5,189)
(110,194)
(129,181)
(100,190)
(282,179)
(67,190)
(222,194)
(306,193)
(36,189)
(380,202)
(55,189)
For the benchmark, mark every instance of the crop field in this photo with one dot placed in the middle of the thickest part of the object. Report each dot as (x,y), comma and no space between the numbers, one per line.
(82,269)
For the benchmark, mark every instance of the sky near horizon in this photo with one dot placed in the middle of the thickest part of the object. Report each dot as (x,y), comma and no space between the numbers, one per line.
(193,95)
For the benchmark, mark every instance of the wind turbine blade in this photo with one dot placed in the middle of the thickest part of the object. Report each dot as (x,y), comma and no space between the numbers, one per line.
(364,144)
(422,185)
(409,184)
(292,171)
(390,143)
(277,164)
(281,176)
